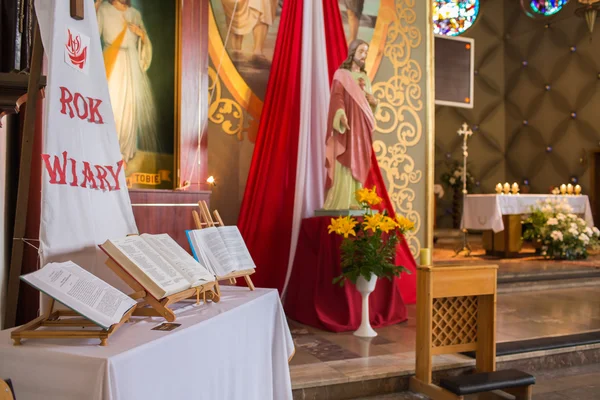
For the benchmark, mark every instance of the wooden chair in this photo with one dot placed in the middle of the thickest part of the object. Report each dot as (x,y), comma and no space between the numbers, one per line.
(456,312)
(6,390)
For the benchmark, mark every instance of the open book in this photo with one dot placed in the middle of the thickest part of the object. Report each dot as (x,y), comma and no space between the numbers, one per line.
(82,292)
(222,249)
(158,263)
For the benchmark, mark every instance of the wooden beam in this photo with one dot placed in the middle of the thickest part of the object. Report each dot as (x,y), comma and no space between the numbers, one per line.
(77,9)
(16,258)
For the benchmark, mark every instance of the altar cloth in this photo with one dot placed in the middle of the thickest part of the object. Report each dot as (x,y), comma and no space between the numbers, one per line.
(235,349)
(312,299)
(485,211)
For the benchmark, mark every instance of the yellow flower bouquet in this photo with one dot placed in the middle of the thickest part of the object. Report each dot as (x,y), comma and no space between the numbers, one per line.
(369,247)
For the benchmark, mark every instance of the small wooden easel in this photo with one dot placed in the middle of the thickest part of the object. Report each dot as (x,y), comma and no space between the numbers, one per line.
(151,307)
(56,319)
(204,220)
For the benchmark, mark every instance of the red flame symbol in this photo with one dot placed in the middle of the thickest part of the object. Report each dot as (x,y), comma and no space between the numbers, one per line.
(76,55)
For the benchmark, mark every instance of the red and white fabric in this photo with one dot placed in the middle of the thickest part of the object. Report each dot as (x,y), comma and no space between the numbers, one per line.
(287,175)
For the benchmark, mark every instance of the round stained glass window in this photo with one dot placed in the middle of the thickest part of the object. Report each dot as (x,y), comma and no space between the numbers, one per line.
(542,8)
(453,17)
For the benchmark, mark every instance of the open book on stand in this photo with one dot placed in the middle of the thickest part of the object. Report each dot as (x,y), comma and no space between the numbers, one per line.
(82,292)
(157,263)
(221,249)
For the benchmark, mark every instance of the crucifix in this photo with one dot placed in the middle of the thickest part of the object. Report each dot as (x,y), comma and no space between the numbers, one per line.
(33,91)
(465,132)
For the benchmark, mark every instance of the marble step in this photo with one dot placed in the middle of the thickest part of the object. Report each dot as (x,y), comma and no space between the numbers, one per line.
(373,382)
(544,280)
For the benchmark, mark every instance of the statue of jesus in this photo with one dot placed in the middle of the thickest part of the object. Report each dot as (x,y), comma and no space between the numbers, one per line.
(350,126)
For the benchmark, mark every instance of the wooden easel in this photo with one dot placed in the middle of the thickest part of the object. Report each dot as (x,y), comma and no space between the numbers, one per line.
(152,307)
(204,220)
(33,89)
(61,319)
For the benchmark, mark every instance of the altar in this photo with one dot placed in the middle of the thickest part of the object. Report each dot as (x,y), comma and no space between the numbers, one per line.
(238,348)
(499,216)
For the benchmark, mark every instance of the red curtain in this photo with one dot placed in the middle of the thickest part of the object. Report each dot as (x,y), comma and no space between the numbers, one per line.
(337,51)
(265,219)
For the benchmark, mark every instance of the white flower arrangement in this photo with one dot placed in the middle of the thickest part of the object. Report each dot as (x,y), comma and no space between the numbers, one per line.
(453,178)
(563,234)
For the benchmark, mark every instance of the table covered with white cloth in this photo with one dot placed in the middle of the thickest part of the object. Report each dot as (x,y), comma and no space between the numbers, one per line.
(235,349)
(485,211)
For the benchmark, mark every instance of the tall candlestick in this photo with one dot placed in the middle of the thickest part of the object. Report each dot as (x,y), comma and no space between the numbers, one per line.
(465,132)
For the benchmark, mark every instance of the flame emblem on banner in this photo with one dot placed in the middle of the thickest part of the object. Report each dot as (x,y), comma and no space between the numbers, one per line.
(77,55)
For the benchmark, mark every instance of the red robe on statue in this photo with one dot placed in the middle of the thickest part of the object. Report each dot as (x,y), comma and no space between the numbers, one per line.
(352,149)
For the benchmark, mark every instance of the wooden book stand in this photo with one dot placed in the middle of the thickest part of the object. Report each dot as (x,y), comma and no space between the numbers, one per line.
(56,319)
(204,220)
(149,306)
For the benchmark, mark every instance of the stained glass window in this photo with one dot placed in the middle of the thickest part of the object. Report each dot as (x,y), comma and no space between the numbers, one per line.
(545,7)
(453,17)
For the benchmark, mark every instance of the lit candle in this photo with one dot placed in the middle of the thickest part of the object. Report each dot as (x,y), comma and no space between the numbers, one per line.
(499,188)
(570,189)
(425,257)
(515,188)
(563,188)
(577,190)
(506,188)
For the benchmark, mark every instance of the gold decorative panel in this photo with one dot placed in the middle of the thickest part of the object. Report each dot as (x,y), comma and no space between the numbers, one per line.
(454,321)
(401,101)
(228,114)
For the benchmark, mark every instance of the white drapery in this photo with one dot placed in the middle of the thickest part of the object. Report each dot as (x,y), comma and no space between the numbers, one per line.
(314,104)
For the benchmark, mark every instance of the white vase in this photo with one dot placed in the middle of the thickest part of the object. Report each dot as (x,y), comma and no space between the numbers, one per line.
(365,287)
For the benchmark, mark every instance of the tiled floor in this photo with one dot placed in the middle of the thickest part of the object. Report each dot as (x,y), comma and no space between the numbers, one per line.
(576,383)
(329,358)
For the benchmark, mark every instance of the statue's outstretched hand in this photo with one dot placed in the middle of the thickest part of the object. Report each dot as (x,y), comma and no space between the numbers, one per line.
(344,122)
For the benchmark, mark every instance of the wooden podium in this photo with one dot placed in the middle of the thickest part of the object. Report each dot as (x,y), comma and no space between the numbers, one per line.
(456,312)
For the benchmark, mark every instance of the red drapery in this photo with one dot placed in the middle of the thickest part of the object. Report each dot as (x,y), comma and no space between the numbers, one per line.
(337,51)
(313,299)
(265,219)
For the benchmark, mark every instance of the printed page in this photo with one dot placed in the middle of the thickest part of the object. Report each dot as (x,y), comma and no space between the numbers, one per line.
(237,247)
(195,273)
(210,241)
(82,292)
(152,264)
(199,253)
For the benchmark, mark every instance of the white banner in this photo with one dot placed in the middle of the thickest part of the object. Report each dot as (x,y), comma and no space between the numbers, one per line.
(84,193)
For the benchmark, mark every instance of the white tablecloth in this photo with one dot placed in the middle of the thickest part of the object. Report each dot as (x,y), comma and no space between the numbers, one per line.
(236,349)
(485,211)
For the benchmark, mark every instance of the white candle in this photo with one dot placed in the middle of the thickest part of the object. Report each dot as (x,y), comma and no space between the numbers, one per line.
(577,190)
(563,188)
(570,189)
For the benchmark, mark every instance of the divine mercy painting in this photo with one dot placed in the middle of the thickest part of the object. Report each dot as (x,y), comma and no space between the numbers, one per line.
(139,42)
